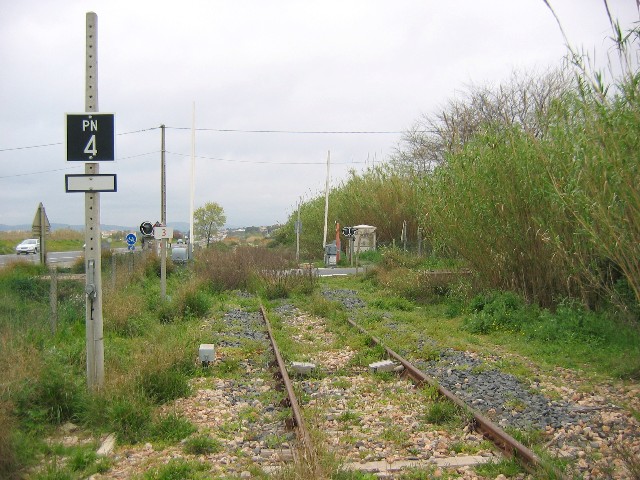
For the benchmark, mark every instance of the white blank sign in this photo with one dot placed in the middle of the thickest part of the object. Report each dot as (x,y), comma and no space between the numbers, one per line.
(91,183)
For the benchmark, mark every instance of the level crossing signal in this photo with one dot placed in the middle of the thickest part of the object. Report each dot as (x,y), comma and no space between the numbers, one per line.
(146,229)
(349,231)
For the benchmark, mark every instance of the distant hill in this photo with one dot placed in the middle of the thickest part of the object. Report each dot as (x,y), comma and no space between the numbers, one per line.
(181,226)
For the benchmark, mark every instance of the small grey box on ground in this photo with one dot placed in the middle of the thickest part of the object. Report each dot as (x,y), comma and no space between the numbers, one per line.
(302,367)
(207,353)
(382,366)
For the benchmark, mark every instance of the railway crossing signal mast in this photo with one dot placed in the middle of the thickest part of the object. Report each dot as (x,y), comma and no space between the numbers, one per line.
(90,137)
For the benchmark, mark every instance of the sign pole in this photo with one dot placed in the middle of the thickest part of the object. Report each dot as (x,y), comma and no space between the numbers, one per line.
(298,228)
(92,233)
(163,218)
(43,234)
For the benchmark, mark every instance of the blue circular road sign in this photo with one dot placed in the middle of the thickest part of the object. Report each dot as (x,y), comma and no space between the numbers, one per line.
(131,238)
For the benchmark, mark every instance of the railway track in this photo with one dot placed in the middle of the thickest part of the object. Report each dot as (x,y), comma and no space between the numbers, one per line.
(341,394)
(267,421)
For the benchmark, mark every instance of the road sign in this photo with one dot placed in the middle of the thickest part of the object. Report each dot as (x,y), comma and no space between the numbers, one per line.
(131,238)
(90,183)
(90,137)
(37,221)
(131,247)
(160,232)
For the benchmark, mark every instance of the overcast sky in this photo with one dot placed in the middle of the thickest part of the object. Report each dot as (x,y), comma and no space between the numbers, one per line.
(247,65)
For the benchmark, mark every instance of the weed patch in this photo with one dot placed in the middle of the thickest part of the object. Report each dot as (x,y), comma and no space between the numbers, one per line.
(177,469)
(171,429)
(203,445)
(165,385)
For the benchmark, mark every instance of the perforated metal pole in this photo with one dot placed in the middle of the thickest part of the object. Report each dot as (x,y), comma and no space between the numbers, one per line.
(92,232)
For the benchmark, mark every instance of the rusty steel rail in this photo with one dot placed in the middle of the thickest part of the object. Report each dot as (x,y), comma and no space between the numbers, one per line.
(505,442)
(301,430)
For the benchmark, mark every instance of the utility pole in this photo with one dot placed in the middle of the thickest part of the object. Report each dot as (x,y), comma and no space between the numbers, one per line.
(93,234)
(326,202)
(193,170)
(298,228)
(163,217)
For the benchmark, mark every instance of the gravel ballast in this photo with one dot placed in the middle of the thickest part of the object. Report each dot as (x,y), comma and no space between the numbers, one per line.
(593,427)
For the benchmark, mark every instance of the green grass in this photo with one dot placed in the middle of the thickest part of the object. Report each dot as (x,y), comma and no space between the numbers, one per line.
(599,343)
(178,470)
(202,445)
(151,364)
(442,412)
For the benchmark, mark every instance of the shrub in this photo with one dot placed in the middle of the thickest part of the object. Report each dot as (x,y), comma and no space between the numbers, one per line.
(171,428)
(273,284)
(499,311)
(9,461)
(124,314)
(190,301)
(29,287)
(193,303)
(165,385)
(152,265)
(130,417)
(235,270)
(54,398)
(393,303)
(322,307)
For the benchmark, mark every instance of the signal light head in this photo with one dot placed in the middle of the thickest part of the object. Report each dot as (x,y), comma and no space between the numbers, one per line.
(146,229)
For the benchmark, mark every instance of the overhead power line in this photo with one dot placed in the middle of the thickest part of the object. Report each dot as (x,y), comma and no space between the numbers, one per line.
(30,146)
(79,164)
(300,132)
(54,144)
(231,130)
(42,171)
(265,162)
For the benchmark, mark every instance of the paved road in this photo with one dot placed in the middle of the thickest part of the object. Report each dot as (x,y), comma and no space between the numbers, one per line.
(339,271)
(53,258)
(61,259)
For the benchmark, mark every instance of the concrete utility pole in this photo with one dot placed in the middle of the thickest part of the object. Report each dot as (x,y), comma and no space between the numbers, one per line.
(193,181)
(93,234)
(163,218)
(326,202)
(298,228)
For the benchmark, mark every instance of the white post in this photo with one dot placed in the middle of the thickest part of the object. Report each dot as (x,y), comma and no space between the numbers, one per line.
(298,226)
(326,201)
(193,169)
(92,233)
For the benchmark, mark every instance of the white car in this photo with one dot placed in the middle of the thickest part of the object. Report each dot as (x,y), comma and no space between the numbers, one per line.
(30,245)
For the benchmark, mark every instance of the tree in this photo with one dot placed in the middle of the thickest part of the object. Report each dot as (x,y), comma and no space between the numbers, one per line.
(522,101)
(207,220)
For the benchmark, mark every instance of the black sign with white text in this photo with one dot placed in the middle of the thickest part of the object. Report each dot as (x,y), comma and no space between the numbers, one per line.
(90,137)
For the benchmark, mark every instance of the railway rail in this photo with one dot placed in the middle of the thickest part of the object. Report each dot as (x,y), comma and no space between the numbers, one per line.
(488,429)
